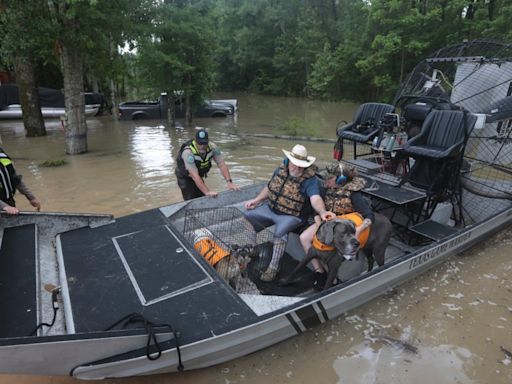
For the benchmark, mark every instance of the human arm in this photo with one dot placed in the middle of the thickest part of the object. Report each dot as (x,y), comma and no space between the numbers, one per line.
(312,189)
(318,205)
(262,196)
(193,172)
(360,205)
(225,172)
(24,190)
(223,167)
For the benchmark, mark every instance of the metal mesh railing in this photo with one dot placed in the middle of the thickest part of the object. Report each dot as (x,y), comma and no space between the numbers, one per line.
(229,242)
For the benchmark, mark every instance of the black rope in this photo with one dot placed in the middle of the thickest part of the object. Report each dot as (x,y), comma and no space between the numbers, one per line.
(55,306)
(135,318)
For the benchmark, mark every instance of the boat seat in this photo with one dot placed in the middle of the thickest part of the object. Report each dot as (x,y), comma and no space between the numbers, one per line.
(442,135)
(438,150)
(366,124)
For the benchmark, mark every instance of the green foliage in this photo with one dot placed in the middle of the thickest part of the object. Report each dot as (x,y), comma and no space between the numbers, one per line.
(330,49)
(295,126)
(53,163)
(176,53)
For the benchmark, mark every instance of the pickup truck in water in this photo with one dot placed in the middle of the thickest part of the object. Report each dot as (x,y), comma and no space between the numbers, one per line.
(134,110)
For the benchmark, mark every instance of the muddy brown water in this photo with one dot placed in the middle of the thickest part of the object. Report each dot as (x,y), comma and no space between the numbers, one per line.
(447,326)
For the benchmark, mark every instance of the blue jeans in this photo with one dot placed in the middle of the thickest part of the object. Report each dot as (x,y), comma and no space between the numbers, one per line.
(263,217)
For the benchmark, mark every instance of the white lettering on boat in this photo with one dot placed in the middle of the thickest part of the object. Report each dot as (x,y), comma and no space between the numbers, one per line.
(440,249)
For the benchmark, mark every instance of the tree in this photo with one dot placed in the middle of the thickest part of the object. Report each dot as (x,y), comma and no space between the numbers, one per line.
(23,44)
(85,26)
(176,55)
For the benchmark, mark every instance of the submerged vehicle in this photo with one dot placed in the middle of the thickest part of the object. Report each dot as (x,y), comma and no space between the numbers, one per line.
(51,100)
(136,110)
(96,297)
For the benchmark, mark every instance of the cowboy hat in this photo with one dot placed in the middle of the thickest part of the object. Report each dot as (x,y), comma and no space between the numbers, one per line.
(299,156)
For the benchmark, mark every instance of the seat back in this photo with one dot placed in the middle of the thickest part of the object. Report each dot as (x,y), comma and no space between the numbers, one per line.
(441,133)
(372,112)
(446,128)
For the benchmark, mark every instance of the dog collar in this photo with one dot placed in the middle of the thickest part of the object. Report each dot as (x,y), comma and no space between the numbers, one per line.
(317,244)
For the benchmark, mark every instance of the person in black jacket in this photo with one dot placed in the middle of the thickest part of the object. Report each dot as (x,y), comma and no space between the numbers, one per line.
(10,182)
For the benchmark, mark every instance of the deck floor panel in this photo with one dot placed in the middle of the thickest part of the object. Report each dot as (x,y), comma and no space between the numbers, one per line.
(18,290)
(101,289)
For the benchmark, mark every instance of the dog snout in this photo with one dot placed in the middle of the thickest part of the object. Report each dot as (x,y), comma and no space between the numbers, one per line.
(355,243)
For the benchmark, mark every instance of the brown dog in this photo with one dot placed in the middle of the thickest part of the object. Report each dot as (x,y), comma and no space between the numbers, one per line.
(339,237)
(230,265)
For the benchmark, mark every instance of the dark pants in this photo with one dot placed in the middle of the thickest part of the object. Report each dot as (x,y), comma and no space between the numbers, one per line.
(188,188)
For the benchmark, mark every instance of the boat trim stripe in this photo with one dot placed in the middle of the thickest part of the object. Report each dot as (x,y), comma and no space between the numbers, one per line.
(296,323)
(321,312)
(308,316)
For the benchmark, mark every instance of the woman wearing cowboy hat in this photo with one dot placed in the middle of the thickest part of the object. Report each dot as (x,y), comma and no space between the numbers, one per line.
(282,202)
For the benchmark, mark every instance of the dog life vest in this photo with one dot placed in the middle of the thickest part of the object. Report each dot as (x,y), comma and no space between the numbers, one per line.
(284,195)
(357,219)
(203,161)
(209,249)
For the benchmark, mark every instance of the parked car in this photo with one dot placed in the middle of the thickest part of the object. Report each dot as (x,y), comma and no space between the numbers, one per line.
(134,110)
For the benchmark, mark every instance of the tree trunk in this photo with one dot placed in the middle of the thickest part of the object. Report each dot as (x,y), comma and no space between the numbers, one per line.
(75,124)
(188,110)
(171,115)
(29,97)
(114,110)
(188,102)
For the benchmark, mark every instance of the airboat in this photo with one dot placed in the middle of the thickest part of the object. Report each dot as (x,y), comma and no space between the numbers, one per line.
(93,296)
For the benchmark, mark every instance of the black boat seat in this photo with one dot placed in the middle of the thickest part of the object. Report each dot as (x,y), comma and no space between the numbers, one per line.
(438,151)
(365,125)
(442,135)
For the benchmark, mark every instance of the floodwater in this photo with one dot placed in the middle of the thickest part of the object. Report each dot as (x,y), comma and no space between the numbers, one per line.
(451,325)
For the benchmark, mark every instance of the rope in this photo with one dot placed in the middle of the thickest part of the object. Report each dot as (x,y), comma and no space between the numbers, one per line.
(55,305)
(134,318)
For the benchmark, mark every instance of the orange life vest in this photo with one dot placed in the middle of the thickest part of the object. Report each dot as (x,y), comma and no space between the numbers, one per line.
(357,219)
(210,250)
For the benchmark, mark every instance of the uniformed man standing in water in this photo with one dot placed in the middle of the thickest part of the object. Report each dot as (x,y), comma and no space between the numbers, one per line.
(10,182)
(193,163)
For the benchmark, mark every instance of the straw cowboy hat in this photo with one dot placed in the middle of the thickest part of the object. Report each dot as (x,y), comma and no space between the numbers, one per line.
(299,156)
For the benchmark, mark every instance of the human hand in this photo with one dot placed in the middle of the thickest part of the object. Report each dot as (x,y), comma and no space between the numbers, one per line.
(251,204)
(36,204)
(212,194)
(327,215)
(232,186)
(11,210)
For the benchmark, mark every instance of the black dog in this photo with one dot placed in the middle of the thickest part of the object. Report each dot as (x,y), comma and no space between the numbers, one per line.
(338,238)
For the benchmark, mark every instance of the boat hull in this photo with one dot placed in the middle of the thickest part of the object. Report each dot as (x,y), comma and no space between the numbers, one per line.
(89,357)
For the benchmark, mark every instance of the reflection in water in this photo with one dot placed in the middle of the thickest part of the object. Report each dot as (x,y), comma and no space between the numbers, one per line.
(151,150)
(457,315)
(366,364)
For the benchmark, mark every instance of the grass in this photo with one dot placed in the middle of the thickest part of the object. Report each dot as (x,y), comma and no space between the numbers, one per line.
(53,163)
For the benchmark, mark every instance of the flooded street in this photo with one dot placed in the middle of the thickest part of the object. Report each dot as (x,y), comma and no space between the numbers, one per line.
(450,325)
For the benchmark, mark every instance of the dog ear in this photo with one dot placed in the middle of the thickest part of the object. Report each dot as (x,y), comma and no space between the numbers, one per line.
(328,231)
